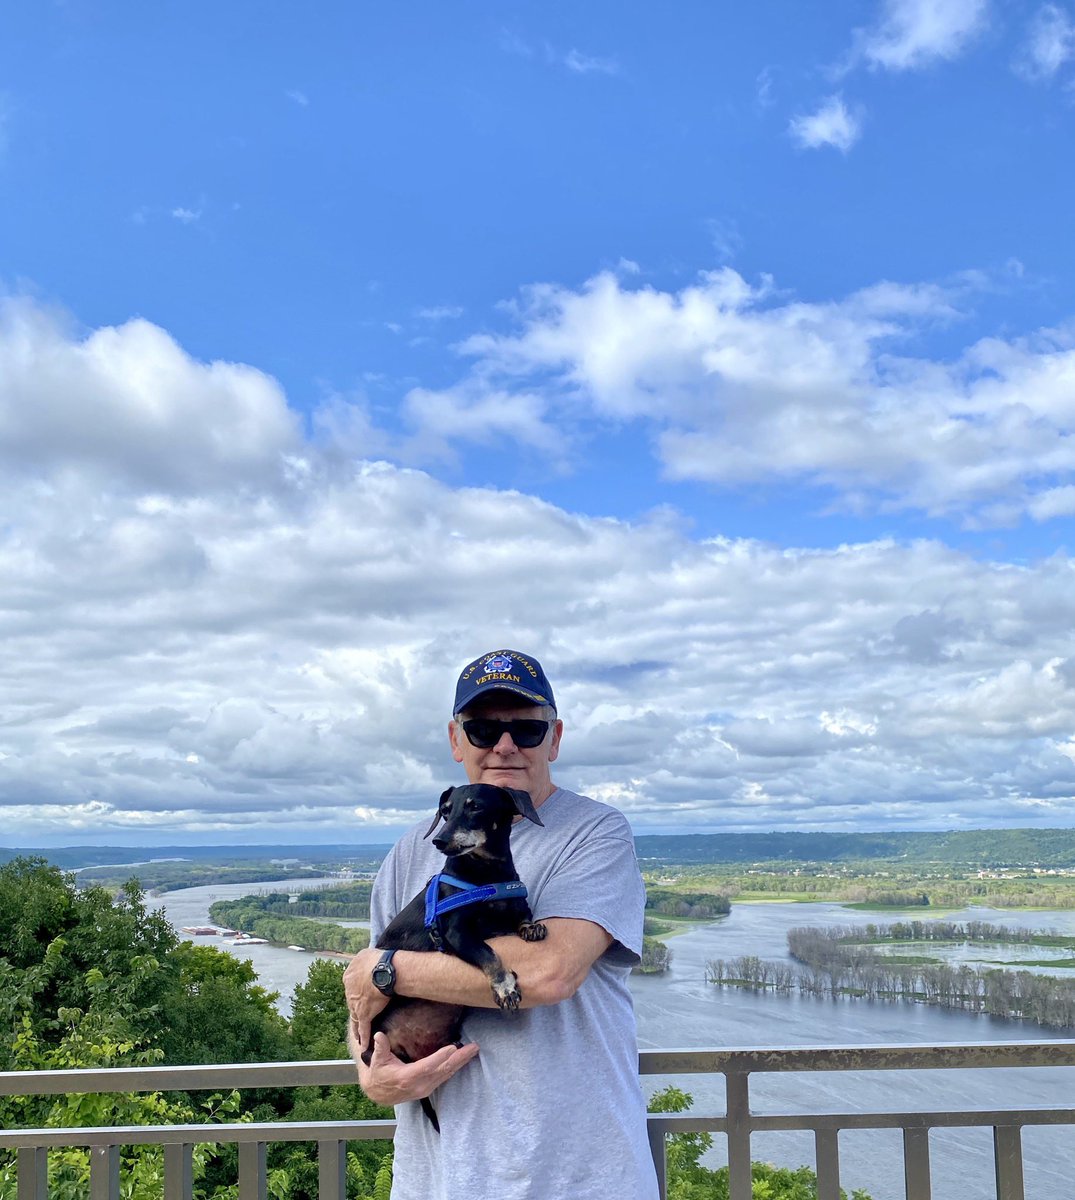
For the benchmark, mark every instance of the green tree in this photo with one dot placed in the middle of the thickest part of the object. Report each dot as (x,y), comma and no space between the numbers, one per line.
(318,1031)
(40,905)
(319,1013)
(93,1037)
(217,1012)
(688,1179)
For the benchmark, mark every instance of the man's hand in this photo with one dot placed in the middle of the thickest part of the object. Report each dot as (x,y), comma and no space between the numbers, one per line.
(387,1080)
(364,1001)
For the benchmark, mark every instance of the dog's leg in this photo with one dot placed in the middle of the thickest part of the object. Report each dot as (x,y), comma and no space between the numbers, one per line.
(504,983)
(532,931)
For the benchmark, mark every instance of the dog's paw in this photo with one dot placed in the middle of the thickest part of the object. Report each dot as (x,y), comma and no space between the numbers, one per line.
(532,931)
(506,992)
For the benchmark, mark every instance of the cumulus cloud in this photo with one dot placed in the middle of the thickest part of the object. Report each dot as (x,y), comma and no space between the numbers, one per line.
(739,384)
(832,125)
(917,33)
(1049,44)
(185,659)
(478,415)
(128,404)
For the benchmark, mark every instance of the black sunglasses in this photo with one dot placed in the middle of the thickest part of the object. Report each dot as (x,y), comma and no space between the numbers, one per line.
(484,732)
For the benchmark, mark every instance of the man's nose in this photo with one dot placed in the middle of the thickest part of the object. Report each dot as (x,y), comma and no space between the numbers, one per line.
(505,745)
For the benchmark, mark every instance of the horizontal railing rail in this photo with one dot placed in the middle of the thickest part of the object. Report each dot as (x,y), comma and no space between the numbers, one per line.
(737,1123)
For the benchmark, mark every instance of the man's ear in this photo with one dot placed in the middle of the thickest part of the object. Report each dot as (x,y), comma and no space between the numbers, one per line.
(554,741)
(454,742)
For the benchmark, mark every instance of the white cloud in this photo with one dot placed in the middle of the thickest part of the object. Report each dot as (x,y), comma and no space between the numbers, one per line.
(586,64)
(574,60)
(479,416)
(1049,44)
(201,644)
(187,216)
(832,125)
(128,404)
(298,97)
(740,386)
(1053,502)
(917,33)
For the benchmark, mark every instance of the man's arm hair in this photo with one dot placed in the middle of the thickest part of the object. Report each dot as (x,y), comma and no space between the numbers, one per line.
(549,971)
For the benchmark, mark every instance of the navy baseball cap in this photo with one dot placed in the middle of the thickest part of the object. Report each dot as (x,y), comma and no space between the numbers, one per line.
(503,671)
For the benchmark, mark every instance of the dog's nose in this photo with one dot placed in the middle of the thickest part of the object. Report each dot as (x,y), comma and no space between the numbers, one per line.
(441,843)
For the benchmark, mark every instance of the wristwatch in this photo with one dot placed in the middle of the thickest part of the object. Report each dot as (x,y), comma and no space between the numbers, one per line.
(384,974)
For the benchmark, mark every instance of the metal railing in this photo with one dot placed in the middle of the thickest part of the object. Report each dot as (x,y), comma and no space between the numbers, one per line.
(737,1123)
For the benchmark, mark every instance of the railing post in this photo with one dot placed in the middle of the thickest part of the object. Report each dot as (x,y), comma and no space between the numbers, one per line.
(332,1170)
(33,1173)
(178,1172)
(657,1148)
(104,1173)
(251,1171)
(1008,1156)
(916,1179)
(739,1182)
(827,1158)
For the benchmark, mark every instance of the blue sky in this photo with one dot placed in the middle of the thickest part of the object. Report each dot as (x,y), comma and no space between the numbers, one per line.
(723,357)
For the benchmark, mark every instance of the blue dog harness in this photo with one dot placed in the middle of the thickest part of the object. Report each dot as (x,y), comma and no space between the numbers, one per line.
(470,893)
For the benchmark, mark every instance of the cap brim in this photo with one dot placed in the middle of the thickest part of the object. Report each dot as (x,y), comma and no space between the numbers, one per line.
(512,689)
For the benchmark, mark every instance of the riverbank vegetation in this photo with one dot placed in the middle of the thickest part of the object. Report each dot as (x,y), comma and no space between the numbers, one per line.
(686,905)
(264,917)
(873,887)
(844,961)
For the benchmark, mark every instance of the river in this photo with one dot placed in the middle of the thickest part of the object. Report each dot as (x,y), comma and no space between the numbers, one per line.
(680,1010)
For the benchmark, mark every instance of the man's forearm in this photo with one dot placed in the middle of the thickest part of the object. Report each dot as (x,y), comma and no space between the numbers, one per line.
(443,977)
(548,971)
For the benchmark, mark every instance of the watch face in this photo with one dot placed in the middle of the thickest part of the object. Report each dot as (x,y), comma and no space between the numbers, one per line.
(384,977)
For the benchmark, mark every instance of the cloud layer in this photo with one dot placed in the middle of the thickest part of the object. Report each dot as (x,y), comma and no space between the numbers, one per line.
(213,628)
(739,384)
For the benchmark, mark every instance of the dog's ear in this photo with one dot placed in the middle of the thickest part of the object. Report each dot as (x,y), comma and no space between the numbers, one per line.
(524,806)
(436,819)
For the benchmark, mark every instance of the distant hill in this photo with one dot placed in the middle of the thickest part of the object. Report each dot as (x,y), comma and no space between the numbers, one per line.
(70,858)
(968,847)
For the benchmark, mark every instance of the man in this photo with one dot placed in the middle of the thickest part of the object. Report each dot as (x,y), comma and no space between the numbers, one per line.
(545,1104)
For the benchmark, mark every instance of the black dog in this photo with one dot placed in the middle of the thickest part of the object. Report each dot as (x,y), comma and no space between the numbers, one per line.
(478,896)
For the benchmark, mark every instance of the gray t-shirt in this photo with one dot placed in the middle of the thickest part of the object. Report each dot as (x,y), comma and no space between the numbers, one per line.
(552,1107)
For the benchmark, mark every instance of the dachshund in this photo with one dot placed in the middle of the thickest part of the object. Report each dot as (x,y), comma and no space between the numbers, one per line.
(479,895)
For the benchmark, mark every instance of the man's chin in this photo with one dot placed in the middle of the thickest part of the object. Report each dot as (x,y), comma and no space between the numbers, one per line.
(503,776)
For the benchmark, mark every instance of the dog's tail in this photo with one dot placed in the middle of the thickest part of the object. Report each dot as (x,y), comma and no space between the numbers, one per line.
(431,1113)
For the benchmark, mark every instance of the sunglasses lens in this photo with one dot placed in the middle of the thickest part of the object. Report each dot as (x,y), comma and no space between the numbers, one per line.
(484,732)
(528,734)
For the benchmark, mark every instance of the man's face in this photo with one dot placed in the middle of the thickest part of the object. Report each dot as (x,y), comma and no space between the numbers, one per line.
(505,764)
